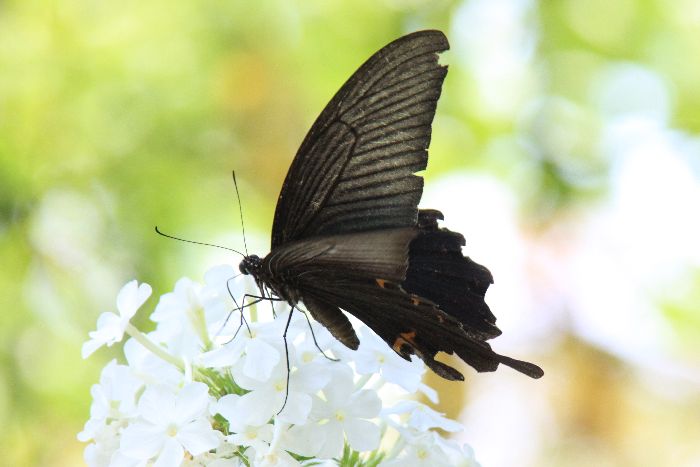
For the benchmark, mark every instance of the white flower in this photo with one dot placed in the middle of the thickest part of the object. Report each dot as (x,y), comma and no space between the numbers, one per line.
(343,415)
(276,454)
(267,398)
(113,404)
(256,349)
(307,351)
(105,443)
(194,314)
(110,326)
(460,456)
(220,283)
(181,319)
(275,458)
(257,437)
(223,456)
(422,450)
(150,413)
(170,424)
(423,418)
(150,368)
(374,356)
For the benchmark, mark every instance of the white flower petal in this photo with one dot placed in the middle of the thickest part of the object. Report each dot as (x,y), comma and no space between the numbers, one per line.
(429,392)
(227,407)
(219,275)
(91,430)
(150,368)
(109,327)
(408,375)
(171,455)
(168,307)
(261,359)
(257,407)
(119,459)
(141,440)
(191,403)
(340,387)
(305,440)
(234,462)
(198,437)
(131,297)
(362,435)
(224,356)
(297,409)
(157,406)
(90,347)
(333,443)
(256,437)
(364,404)
(126,295)
(109,331)
(314,376)
(424,418)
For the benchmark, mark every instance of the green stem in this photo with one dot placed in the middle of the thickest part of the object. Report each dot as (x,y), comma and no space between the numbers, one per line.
(253,313)
(199,322)
(156,349)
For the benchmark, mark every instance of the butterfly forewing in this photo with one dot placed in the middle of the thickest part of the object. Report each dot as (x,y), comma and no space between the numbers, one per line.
(354,170)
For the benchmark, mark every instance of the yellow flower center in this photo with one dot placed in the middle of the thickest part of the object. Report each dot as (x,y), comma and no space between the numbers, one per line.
(172,430)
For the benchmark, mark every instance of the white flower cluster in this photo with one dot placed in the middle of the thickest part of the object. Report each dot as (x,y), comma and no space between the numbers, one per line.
(207,388)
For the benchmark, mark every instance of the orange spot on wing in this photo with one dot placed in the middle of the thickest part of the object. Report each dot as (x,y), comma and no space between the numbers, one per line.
(405,338)
(381,282)
(409,336)
(416,300)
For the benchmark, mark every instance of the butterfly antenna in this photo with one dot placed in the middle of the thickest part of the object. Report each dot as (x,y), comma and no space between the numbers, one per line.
(196,243)
(240,210)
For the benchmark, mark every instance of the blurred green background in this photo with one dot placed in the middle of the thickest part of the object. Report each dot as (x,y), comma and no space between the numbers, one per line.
(565,148)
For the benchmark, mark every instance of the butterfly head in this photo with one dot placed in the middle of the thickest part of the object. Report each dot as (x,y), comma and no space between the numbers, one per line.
(250,264)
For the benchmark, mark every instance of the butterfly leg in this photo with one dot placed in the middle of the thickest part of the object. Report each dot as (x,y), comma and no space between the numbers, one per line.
(272,303)
(286,353)
(313,336)
(238,307)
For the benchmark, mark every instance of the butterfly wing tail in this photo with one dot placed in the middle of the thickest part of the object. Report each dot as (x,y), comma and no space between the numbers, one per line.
(526,368)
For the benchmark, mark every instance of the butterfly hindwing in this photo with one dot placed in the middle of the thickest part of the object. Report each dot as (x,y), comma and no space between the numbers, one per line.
(438,271)
(410,325)
(355,169)
(365,274)
(379,253)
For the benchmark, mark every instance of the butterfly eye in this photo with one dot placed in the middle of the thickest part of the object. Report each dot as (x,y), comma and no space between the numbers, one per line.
(249,264)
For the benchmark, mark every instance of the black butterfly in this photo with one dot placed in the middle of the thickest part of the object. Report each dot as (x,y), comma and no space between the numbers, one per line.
(348,234)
